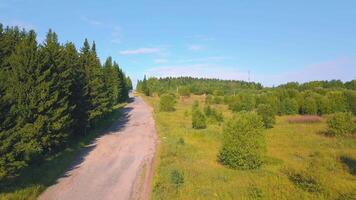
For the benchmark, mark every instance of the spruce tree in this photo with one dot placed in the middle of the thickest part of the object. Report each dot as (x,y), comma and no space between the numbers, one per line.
(97,96)
(111,81)
(23,141)
(78,96)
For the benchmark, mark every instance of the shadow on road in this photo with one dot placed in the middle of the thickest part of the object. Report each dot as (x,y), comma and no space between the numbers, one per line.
(46,172)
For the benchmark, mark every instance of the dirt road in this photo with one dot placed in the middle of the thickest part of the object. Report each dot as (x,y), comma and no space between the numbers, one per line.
(118,165)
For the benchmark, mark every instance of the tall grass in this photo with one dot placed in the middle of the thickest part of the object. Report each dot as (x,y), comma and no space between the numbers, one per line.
(292,150)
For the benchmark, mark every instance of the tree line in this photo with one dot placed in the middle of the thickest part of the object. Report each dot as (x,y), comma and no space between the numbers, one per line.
(50,94)
(311,98)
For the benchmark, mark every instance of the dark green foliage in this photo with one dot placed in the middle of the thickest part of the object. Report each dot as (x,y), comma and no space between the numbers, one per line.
(177,179)
(129,83)
(143,87)
(267,114)
(340,124)
(304,180)
(244,143)
(167,102)
(48,95)
(198,118)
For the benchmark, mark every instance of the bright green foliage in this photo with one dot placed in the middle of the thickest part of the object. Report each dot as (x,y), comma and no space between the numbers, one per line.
(167,102)
(198,118)
(340,124)
(351,100)
(111,82)
(213,114)
(244,143)
(48,95)
(337,101)
(184,91)
(289,106)
(309,106)
(243,102)
(268,115)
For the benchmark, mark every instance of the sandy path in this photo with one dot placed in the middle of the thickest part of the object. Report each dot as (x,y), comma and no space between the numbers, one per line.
(118,165)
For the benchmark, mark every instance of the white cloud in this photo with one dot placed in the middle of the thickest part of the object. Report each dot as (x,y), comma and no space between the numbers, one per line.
(140,51)
(195,47)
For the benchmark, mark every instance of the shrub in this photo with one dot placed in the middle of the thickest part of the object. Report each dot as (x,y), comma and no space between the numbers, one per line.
(213,114)
(198,119)
(340,124)
(177,178)
(209,99)
(167,102)
(267,114)
(184,91)
(244,143)
(304,180)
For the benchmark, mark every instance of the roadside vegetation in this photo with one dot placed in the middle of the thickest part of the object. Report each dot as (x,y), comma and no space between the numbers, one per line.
(51,97)
(271,143)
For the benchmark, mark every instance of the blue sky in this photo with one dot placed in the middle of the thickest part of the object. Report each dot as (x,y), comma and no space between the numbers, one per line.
(277,41)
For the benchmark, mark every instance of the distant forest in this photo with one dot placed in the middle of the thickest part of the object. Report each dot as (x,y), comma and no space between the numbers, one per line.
(310,98)
(50,94)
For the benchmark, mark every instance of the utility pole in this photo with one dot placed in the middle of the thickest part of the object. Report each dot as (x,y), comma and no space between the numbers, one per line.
(248,75)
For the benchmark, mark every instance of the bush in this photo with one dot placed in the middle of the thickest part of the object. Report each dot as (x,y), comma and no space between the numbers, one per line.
(198,119)
(177,178)
(340,124)
(267,114)
(244,143)
(184,91)
(213,114)
(167,102)
(304,180)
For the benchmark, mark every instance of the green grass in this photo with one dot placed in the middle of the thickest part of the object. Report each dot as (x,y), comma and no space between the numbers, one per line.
(301,162)
(36,178)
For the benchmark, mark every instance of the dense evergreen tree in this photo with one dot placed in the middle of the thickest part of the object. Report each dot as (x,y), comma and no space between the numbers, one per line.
(48,94)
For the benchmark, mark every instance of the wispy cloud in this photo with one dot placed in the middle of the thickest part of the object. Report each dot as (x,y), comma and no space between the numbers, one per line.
(195,47)
(140,51)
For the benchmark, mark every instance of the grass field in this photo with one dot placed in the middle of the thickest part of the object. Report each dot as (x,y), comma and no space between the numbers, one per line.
(301,162)
(35,179)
